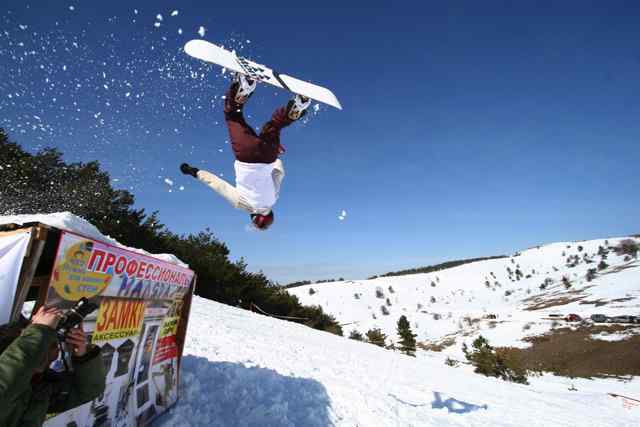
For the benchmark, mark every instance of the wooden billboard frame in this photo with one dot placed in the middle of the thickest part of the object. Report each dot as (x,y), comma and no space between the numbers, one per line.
(35,248)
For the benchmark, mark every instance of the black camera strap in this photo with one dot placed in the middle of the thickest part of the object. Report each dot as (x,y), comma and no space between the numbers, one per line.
(63,354)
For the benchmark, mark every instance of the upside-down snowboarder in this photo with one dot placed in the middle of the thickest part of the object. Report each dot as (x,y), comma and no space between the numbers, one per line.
(259,171)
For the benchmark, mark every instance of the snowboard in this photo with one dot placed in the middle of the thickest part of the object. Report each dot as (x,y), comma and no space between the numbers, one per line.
(209,52)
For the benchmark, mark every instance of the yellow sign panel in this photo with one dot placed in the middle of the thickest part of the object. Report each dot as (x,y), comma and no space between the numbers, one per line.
(118,318)
(72,280)
(169,327)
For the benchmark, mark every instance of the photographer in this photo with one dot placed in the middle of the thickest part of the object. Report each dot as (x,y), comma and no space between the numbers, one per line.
(28,388)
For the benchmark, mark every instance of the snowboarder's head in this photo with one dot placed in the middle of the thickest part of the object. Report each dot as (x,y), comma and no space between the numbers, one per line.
(262,222)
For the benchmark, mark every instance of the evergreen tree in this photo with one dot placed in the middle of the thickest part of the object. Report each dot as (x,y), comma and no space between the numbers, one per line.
(356,335)
(375,336)
(407,337)
(489,362)
(627,247)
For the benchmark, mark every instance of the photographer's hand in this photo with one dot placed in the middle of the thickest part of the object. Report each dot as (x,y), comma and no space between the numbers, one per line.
(47,316)
(77,340)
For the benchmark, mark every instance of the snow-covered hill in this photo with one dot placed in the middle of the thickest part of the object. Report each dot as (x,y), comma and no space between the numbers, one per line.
(522,291)
(244,369)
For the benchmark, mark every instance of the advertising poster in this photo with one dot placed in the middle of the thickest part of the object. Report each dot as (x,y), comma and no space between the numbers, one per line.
(140,300)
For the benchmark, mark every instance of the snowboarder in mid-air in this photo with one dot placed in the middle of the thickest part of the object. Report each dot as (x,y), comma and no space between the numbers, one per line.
(259,171)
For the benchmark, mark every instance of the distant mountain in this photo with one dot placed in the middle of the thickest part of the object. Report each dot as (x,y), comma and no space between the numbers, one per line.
(437,267)
(309,282)
(512,301)
(428,269)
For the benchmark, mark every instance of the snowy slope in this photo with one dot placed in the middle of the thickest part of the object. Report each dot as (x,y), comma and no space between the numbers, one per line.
(244,369)
(454,303)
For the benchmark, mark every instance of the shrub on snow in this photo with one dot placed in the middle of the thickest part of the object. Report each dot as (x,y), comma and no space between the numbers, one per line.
(494,363)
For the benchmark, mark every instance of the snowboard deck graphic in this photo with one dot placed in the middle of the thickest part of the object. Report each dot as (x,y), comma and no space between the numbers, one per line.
(209,52)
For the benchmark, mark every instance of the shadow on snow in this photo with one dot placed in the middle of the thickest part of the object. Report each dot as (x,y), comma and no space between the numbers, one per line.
(454,405)
(230,394)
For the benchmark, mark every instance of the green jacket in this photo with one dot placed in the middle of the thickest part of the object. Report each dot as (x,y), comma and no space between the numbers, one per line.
(23,403)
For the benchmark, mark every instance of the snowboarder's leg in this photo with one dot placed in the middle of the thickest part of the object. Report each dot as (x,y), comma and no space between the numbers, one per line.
(247,146)
(270,133)
(244,140)
(233,112)
(283,117)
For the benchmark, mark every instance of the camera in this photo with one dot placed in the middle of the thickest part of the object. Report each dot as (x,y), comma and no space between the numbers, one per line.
(75,315)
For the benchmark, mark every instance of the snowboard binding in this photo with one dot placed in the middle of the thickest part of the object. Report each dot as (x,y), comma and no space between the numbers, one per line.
(244,88)
(297,107)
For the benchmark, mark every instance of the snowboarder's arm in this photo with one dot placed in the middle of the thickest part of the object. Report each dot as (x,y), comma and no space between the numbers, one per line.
(221,187)
(278,175)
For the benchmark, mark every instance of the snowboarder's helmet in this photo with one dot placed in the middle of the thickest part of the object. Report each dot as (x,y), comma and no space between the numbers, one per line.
(262,222)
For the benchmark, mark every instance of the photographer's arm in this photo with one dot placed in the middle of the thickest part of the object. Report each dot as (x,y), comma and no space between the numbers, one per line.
(22,358)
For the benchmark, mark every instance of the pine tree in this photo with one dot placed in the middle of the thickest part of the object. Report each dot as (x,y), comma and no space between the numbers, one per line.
(375,336)
(407,337)
(494,363)
(356,335)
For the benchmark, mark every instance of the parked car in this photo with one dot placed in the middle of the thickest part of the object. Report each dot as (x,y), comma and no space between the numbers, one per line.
(623,319)
(599,318)
(573,318)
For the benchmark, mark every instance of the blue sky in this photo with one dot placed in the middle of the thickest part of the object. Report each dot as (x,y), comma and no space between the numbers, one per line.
(469,128)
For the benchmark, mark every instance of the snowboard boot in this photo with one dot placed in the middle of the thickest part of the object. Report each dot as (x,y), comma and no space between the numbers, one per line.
(297,107)
(242,88)
(189,170)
